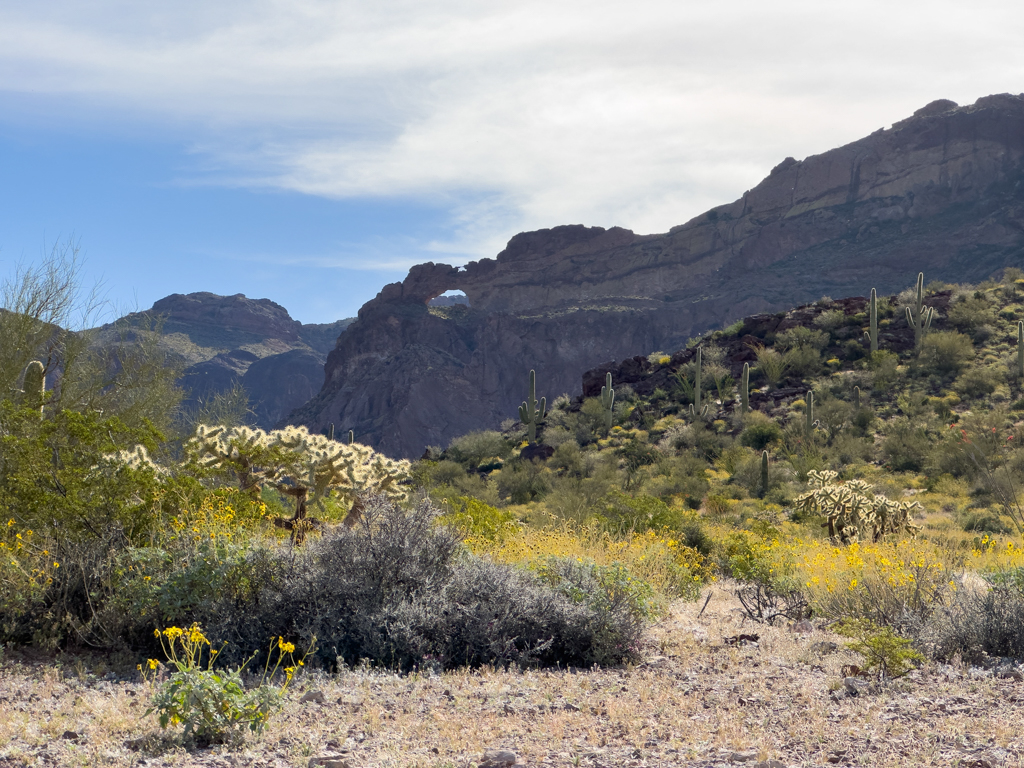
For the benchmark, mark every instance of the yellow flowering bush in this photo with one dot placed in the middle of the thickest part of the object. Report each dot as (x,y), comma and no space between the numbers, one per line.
(668,566)
(213,705)
(27,568)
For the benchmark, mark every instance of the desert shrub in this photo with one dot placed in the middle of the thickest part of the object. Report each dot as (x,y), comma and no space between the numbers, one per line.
(884,366)
(830,320)
(760,431)
(476,448)
(946,351)
(833,415)
(982,618)
(882,649)
(401,592)
(800,336)
(771,364)
(803,361)
(977,382)
(522,481)
(680,476)
(472,518)
(569,460)
(906,446)
(893,583)
(968,313)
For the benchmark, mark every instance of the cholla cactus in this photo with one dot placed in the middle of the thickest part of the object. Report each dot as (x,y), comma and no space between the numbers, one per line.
(136,458)
(852,511)
(301,464)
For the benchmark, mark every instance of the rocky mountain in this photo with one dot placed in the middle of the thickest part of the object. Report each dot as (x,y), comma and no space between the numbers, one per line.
(227,339)
(941,191)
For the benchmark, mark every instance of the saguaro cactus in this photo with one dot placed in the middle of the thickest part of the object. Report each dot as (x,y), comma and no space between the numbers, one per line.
(696,409)
(872,334)
(809,422)
(33,385)
(529,413)
(607,400)
(764,473)
(856,398)
(921,318)
(1020,349)
(351,436)
(745,389)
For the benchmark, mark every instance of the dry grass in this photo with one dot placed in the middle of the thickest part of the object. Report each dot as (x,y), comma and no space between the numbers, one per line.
(694,702)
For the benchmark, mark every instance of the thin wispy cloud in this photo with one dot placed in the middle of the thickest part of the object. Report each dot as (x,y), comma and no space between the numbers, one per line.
(509,116)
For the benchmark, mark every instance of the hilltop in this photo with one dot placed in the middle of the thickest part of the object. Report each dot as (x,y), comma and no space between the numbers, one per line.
(224,340)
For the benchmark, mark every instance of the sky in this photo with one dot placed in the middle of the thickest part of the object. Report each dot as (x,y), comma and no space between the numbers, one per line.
(310,152)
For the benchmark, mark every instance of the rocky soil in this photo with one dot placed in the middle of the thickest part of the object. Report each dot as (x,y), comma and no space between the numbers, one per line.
(701,698)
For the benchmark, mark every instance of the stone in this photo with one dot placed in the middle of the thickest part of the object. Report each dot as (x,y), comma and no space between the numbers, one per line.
(565,301)
(824,648)
(770,763)
(71,736)
(854,685)
(747,756)
(498,758)
(328,761)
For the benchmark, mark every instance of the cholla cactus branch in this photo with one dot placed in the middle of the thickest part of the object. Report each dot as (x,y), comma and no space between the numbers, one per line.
(852,511)
(308,466)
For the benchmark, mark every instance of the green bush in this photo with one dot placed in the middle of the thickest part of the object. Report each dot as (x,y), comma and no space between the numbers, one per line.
(523,481)
(946,351)
(882,649)
(476,448)
(906,446)
(976,382)
(759,431)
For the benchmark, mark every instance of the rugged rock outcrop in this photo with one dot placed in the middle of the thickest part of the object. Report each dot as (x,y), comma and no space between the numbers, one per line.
(942,192)
(225,340)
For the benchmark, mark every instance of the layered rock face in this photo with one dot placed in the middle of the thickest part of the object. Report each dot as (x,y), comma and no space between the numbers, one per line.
(225,340)
(940,192)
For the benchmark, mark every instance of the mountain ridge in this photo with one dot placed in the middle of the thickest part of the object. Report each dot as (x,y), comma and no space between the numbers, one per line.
(941,191)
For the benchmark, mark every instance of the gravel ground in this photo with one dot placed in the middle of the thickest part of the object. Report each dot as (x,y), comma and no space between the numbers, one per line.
(699,699)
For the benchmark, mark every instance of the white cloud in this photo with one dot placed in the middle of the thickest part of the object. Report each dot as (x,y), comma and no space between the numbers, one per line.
(514,115)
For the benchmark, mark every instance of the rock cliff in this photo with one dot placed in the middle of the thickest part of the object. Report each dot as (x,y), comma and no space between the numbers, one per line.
(941,191)
(227,339)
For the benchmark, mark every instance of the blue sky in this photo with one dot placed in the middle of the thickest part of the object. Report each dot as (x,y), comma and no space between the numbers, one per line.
(309,152)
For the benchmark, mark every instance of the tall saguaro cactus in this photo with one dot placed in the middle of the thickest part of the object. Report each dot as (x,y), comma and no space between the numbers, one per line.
(608,400)
(529,413)
(745,389)
(1020,349)
(921,318)
(764,473)
(696,409)
(856,398)
(809,416)
(872,334)
(33,385)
